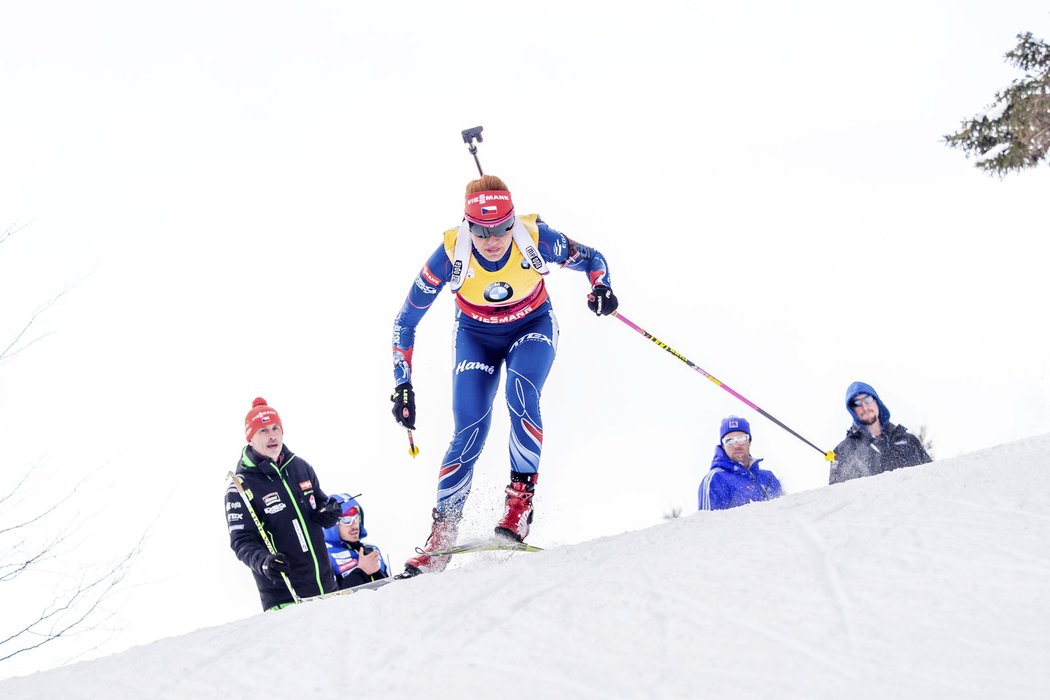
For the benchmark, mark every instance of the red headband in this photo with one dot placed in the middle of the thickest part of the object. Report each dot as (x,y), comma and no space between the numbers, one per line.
(488,208)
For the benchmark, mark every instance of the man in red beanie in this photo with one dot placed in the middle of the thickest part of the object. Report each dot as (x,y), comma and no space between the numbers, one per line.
(283,492)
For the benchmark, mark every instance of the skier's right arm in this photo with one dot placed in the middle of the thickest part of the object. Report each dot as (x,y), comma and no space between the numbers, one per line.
(425,287)
(431,278)
(711,495)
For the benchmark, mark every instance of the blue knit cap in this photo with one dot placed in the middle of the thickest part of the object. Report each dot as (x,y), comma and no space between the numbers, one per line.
(732,424)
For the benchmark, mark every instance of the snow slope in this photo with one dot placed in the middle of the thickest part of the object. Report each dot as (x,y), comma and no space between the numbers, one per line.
(924,583)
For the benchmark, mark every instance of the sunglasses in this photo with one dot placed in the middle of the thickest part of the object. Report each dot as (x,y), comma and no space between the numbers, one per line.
(498,231)
(863,400)
(350,517)
(738,440)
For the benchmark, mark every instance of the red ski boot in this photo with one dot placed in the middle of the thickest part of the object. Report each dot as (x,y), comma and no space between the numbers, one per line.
(443,534)
(517,512)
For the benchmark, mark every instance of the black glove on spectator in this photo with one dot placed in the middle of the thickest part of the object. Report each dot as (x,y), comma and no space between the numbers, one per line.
(602,301)
(328,514)
(404,405)
(274,566)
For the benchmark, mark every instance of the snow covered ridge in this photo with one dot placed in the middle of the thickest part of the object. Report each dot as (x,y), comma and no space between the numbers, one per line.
(928,582)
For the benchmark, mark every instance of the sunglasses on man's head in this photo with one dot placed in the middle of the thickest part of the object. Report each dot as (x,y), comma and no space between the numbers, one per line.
(349,519)
(862,400)
(498,231)
(738,440)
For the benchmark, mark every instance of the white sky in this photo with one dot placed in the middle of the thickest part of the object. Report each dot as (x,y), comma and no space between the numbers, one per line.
(243,192)
(922,583)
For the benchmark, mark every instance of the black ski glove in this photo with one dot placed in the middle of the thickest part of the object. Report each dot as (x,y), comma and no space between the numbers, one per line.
(404,405)
(602,301)
(328,514)
(274,566)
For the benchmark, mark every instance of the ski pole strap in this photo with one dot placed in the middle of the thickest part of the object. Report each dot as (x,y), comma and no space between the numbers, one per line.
(829,455)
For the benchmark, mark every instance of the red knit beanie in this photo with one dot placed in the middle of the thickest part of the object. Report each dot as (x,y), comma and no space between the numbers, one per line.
(260,415)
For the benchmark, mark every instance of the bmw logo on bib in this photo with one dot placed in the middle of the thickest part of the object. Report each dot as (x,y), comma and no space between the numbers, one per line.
(498,292)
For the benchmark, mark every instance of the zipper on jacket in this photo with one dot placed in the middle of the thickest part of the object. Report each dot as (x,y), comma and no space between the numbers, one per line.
(302,521)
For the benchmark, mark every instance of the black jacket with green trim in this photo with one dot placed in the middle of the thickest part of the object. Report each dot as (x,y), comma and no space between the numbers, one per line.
(284,496)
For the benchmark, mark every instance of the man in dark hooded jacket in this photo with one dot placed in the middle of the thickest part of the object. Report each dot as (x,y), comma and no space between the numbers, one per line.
(286,500)
(873,445)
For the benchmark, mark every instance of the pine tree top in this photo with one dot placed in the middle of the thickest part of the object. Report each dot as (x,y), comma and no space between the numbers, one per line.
(1014,132)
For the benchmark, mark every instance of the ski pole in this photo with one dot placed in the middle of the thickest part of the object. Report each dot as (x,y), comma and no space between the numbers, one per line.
(829,455)
(468,138)
(262,532)
(412,449)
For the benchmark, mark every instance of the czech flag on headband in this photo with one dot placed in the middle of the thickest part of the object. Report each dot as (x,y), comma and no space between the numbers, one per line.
(488,208)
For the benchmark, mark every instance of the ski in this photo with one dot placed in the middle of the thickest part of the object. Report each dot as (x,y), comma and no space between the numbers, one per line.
(495,544)
(370,586)
(500,544)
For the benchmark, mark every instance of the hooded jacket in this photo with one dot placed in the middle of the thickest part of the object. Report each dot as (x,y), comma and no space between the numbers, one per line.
(344,555)
(861,454)
(730,484)
(284,494)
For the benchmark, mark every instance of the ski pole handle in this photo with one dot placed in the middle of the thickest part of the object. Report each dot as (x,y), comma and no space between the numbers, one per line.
(469,135)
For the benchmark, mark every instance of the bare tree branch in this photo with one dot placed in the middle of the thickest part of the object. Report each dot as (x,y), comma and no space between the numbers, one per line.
(13,348)
(76,604)
(51,625)
(43,514)
(11,230)
(16,487)
(9,571)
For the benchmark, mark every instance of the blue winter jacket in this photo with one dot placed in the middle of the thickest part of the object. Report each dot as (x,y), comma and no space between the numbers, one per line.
(730,484)
(344,555)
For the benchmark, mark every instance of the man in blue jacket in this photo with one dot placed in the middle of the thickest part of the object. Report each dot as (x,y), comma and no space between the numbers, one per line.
(353,561)
(873,445)
(735,478)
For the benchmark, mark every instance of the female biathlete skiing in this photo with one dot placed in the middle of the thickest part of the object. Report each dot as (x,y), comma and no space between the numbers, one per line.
(494,262)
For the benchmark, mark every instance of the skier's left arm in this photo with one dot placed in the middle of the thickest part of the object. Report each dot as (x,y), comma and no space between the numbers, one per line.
(773,488)
(556,247)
